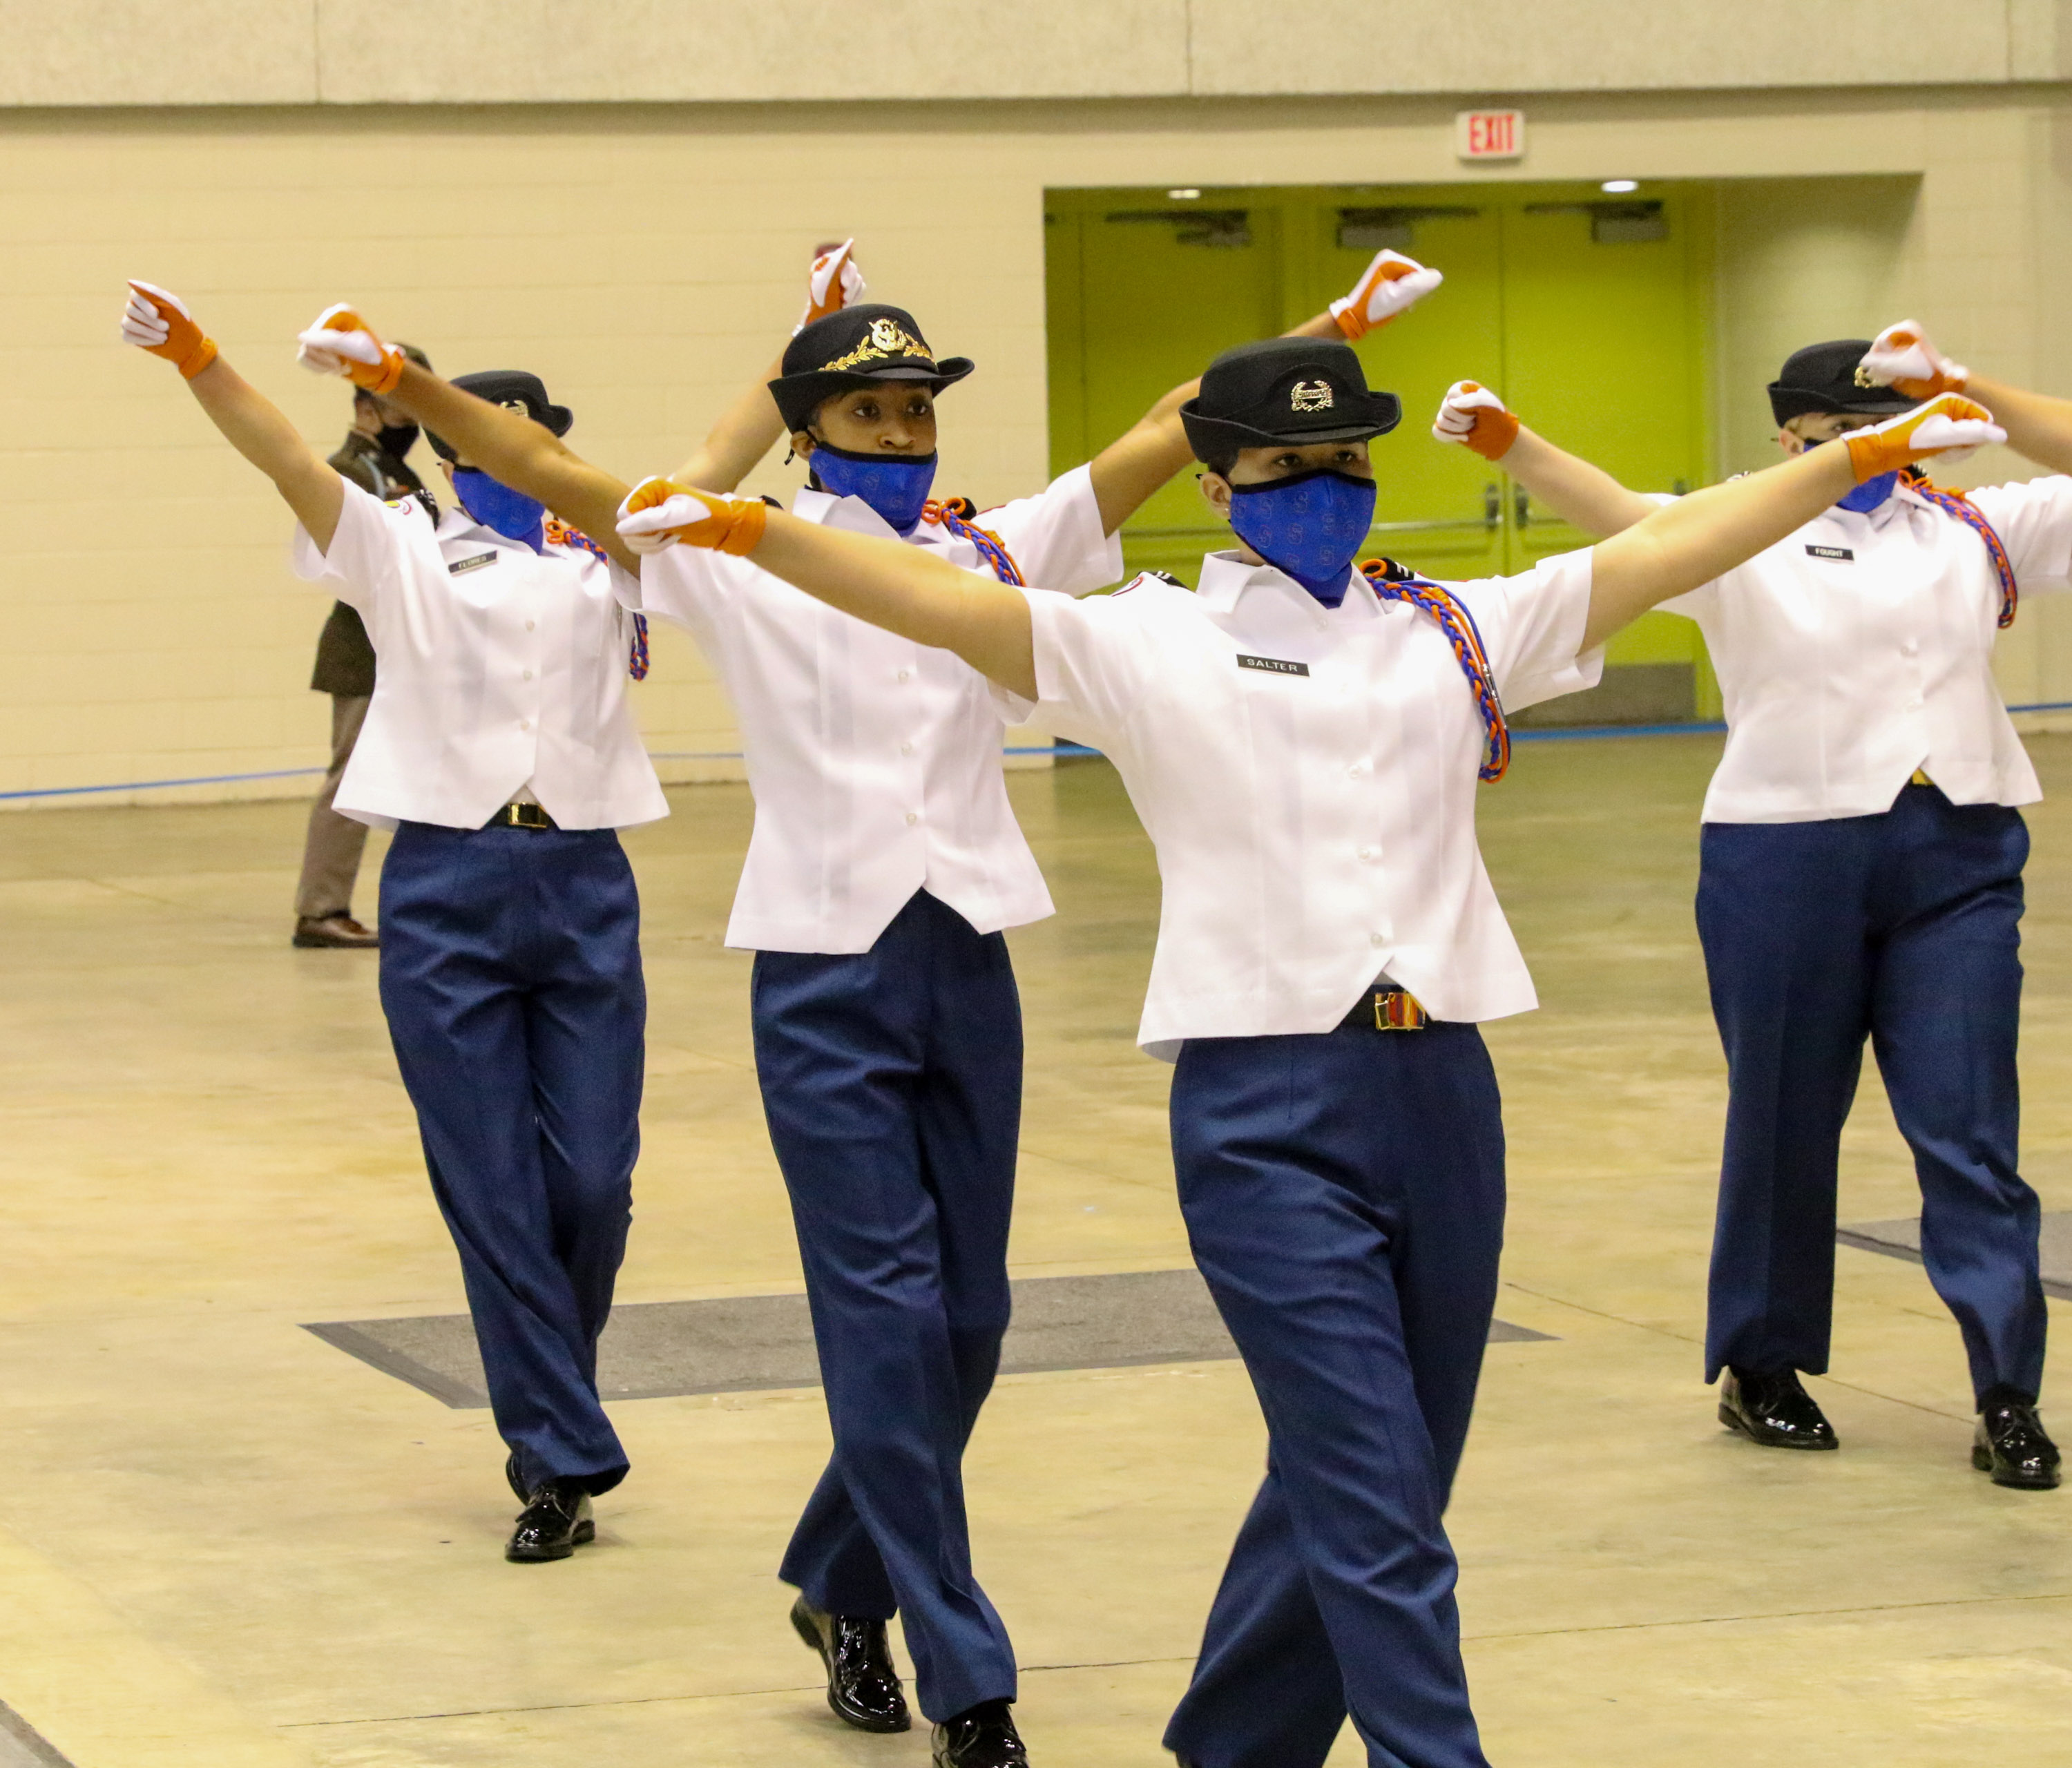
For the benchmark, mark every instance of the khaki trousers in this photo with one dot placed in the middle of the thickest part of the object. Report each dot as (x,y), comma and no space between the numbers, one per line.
(330,855)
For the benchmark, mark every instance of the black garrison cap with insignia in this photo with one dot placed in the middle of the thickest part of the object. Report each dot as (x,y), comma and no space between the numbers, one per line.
(1299,390)
(1823,377)
(515,390)
(852,348)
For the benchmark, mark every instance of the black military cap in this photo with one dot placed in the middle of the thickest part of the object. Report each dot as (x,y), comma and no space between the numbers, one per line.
(515,390)
(1297,390)
(1823,377)
(852,348)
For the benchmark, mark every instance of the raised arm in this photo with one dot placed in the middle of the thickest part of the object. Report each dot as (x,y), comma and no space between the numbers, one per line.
(1587,496)
(506,445)
(1682,545)
(2038,425)
(906,590)
(751,426)
(159,324)
(1151,451)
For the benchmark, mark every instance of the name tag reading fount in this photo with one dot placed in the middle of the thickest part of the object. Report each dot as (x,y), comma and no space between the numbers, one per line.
(1273,666)
(1841,553)
(462,567)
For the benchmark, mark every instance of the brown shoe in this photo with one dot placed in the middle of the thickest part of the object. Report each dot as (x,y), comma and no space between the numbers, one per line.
(335,932)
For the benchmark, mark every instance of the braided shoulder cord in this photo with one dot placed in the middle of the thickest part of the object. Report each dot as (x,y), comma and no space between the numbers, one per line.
(1392,583)
(1956,503)
(954,515)
(559,533)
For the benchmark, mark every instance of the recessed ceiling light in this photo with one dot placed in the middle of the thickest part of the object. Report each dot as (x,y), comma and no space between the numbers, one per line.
(1183,197)
(1619,187)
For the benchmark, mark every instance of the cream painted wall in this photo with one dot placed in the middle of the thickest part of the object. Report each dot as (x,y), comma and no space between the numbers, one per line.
(476,52)
(646,262)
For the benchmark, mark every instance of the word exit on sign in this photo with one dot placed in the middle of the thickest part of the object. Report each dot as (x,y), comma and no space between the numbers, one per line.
(1489,134)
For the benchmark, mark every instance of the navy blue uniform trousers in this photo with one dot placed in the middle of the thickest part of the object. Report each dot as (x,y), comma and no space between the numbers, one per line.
(892,1082)
(1901,928)
(511,976)
(1344,1196)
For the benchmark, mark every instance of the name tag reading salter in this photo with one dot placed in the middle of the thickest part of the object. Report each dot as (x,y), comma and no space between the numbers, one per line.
(1273,666)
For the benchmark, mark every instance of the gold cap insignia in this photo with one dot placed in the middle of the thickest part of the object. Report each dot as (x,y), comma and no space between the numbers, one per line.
(886,339)
(1864,376)
(1309,396)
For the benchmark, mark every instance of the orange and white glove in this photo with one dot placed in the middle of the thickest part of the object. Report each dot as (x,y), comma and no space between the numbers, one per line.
(157,323)
(1472,415)
(341,343)
(1903,356)
(834,282)
(659,513)
(1391,285)
(1947,428)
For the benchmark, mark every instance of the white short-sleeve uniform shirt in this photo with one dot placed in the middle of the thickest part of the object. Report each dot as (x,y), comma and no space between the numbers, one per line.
(1308,778)
(875,761)
(498,668)
(1860,648)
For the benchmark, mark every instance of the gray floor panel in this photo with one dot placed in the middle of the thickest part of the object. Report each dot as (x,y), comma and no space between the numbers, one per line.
(1902,1239)
(21,1746)
(735,1344)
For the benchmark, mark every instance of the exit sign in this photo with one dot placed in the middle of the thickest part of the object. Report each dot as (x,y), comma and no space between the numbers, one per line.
(1489,134)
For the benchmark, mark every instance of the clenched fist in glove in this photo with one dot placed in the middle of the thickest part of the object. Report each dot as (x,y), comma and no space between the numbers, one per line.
(1391,284)
(1948,428)
(1473,416)
(834,282)
(1901,356)
(157,322)
(658,512)
(340,343)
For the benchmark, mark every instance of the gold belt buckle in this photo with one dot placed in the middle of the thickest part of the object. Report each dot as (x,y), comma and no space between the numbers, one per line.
(1921,778)
(525,817)
(1398,1009)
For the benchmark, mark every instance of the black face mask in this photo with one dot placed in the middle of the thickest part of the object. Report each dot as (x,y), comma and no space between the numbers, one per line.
(397,440)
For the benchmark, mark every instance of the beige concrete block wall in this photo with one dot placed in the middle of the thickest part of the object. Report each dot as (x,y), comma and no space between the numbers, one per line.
(646,262)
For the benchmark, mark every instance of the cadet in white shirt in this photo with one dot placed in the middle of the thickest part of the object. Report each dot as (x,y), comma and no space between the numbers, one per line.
(1302,742)
(499,747)
(884,865)
(1860,877)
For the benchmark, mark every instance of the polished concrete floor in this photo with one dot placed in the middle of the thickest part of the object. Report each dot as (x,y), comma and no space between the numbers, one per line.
(224,1542)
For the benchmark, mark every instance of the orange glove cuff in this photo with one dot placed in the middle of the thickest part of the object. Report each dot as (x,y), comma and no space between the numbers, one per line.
(1494,433)
(198,358)
(743,520)
(1890,446)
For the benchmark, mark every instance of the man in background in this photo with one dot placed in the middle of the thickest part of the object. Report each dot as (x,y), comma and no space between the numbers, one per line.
(372,457)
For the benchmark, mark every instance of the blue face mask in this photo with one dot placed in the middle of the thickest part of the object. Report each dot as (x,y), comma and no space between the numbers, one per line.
(896,486)
(1867,496)
(513,514)
(1311,526)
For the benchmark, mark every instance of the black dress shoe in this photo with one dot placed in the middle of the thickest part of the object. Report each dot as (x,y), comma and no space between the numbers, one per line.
(2011,1445)
(554,1522)
(1775,1411)
(983,1738)
(863,1688)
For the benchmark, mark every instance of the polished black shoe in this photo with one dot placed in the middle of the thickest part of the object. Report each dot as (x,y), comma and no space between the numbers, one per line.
(2011,1444)
(1775,1411)
(554,1522)
(863,1688)
(983,1738)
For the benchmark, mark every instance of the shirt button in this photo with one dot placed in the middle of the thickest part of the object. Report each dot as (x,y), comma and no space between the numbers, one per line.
(524,724)
(1375,939)
(905,749)
(528,626)
(1367,853)
(1357,769)
(913,816)
(1909,649)
(528,675)
(904,673)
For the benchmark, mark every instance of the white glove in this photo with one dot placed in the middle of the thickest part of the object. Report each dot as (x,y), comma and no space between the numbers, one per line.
(652,529)
(1472,415)
(142,324)
(1391,284)
(834,282)
(324,351)
(1901,356)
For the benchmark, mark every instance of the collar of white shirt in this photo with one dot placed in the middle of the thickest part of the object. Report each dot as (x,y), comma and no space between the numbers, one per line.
(1226,576)
(851,513)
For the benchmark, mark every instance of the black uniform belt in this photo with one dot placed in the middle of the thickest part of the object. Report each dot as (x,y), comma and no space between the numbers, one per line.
(1386,1009)
(521,817)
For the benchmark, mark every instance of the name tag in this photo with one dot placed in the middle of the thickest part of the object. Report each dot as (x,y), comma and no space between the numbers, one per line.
(461,567)
(1841,553)
(1275,666)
